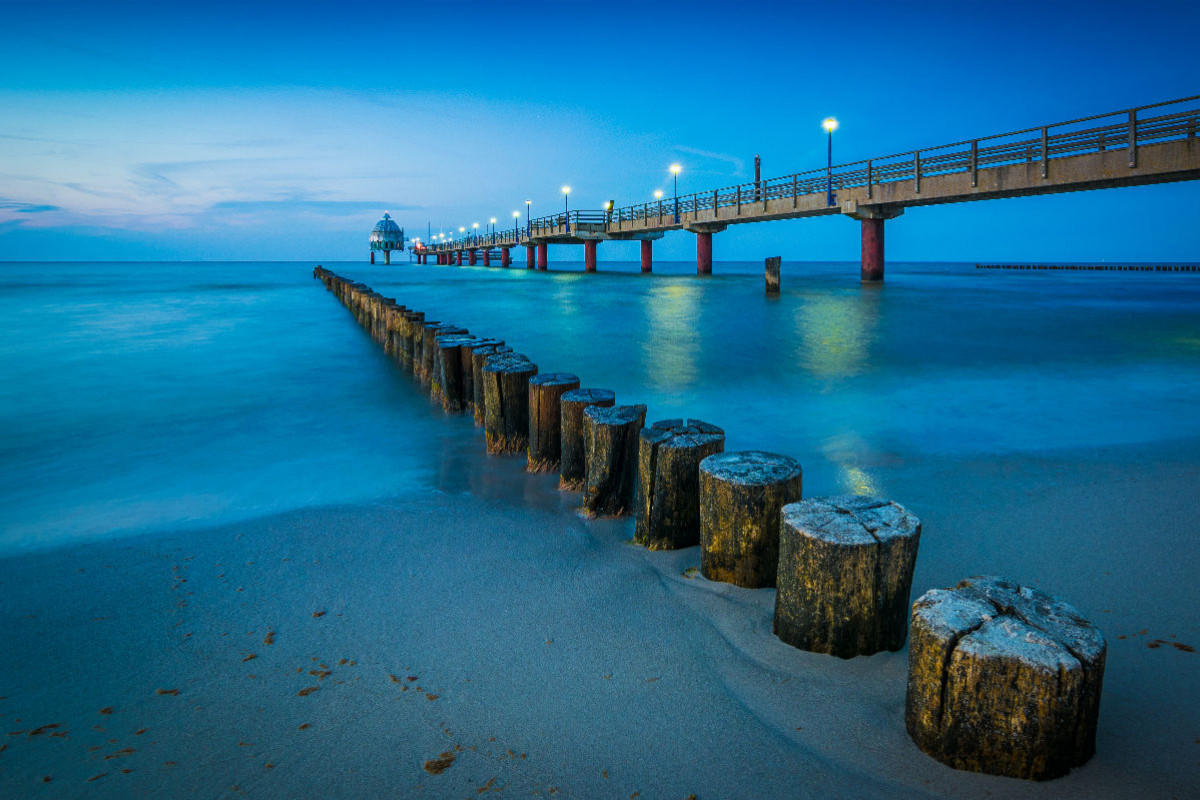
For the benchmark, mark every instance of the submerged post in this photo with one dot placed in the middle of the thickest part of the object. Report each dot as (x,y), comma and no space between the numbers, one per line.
(772,275)
(647,255)
(872,250)
(541,259)
(704,252)
(589,255)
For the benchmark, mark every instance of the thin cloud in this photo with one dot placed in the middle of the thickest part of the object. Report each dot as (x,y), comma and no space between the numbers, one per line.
(26,208)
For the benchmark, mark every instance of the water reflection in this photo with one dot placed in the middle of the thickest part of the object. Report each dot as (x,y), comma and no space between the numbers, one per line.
(671,345)
(834,333)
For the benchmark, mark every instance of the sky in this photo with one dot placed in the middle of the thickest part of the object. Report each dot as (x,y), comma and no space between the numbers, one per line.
(283,131)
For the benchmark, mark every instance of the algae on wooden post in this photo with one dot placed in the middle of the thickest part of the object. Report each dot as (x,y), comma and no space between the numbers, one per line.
(741,495)
(668,481)
(1003,679)
(573,460)
(610,437)
(479,357)
(447,384)
(545,419)
(429,347)
(845,573)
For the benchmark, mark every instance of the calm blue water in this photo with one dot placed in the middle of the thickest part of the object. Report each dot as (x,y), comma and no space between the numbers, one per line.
(142,395)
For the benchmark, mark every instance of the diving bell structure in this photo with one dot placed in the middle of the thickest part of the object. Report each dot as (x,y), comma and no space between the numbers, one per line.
(386,236)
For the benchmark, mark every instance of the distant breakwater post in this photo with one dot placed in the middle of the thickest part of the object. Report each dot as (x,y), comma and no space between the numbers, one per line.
(1002,678)
(1098,267)
(1135,146)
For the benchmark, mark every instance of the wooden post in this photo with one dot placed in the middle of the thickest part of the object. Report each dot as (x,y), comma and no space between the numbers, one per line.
(545,419)
(741,496)
(772,275)
(573,461)
(1003,679)
(845,572)
(429,335)
(479,357)
(505,378)
(446,386)
(610,441)
(668,481)
(466,364)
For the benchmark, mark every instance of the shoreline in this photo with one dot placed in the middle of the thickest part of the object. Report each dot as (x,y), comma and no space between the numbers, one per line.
(511,614)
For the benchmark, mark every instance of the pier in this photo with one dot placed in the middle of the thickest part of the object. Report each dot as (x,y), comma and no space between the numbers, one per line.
(1133,147)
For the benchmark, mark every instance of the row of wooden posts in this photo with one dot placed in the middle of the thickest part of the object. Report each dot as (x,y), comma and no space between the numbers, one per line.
(1003,678)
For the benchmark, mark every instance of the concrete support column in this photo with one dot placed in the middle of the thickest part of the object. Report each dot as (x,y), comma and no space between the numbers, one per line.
(589,255)
(473,257)
(541,255)
(505,257)
(372,256)
(387,256)
(487,256)
(530,251)
(704,253)
(872,250)
(459,258)
(647,255)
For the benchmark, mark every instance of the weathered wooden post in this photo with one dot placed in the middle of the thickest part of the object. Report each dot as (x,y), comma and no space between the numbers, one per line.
(479,357)
(505,378)
(610,440)
(573,460)
(668,481)
(741,495)
(447,380)
(845,572)
(429,335)
(545,419)
(772,275)
(1003,679)
(468,370)
(411,321)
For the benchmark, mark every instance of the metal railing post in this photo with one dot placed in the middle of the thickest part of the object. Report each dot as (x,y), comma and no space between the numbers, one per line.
(739,200)
(974,163)
(1045,154)
(795,198)
(917,172)
(869,180)
(1133,138)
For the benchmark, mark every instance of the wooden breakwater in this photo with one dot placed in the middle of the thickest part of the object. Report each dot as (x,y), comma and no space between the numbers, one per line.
(1098,267)
(1002,678)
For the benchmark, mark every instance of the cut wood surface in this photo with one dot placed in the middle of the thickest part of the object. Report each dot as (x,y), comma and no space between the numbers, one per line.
(845,573)
(741,495)
(1003,679)
(610,440)
(668,488)
(573,461)
(545,419)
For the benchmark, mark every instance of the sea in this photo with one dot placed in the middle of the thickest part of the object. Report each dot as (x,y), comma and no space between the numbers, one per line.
(137,397)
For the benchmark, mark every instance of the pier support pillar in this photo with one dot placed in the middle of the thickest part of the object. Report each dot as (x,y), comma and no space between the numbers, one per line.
(387,256)
(647,255)
(474,256)
(372,256)
(530,256)
(872,250)
(487,257)
(505,257)
(589,255)
(459,254)
(704,252)
(542,255)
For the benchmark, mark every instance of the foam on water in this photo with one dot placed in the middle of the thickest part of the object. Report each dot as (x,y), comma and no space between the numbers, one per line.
(137,396)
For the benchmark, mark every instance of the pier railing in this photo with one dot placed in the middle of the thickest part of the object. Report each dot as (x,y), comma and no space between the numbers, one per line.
(1124,130)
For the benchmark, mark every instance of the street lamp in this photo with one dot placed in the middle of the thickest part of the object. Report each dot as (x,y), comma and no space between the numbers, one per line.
(830,125)
(492,222)
(475,231)
(528,221)
(566,190)
(675,173)
(516,218)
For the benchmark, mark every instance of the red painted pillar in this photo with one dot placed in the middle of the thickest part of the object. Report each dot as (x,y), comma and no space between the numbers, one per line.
(487,256)
(542,255)
(647,255)
(473,257)
(589,255)
(372,256)
(529,256)
(872,250)
(704,253)
(505,257)
(459,254)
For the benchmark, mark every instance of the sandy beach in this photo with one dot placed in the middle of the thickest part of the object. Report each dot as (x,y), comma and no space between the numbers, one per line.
(485,639)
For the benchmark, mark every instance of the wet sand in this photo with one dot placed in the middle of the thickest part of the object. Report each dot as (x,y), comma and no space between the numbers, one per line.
(488,640)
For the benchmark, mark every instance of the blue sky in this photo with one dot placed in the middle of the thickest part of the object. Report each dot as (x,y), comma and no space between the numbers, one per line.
(284,130)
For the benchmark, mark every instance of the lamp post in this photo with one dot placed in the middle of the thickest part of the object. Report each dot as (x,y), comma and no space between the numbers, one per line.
(516,222)
(675,173)
(492,222)
(528,221)
(830,125)
(475,232)
(566,190)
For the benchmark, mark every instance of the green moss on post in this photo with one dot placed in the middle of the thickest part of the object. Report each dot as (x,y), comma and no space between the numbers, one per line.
(668,481)
(741,495)
(479,357)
